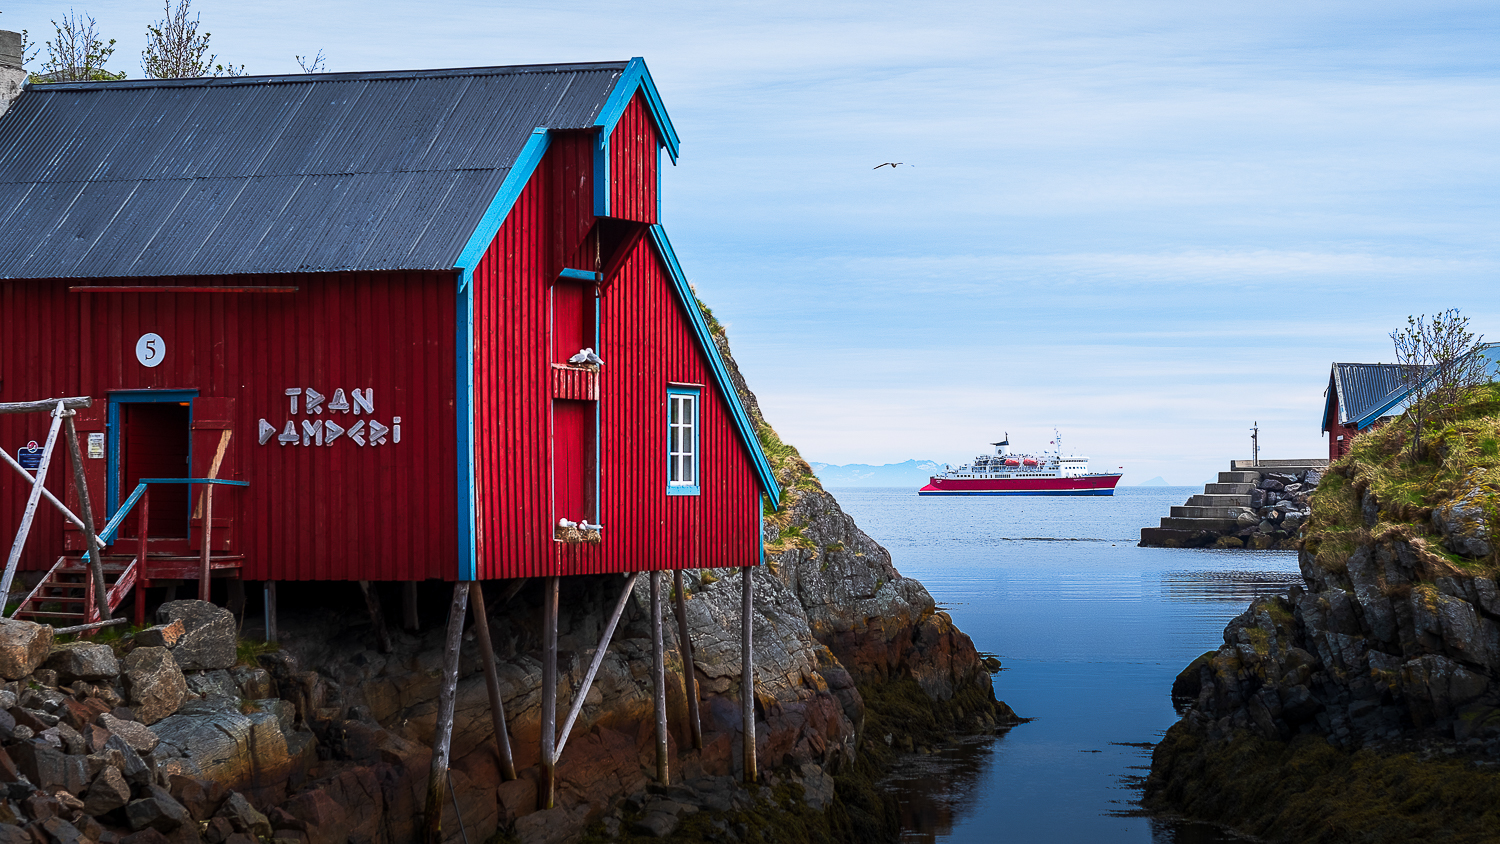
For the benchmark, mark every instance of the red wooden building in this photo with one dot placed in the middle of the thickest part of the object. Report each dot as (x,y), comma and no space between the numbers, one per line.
(366,295)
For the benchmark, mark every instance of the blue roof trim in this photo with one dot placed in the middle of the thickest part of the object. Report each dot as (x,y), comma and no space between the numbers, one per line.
(581,275)
(494,216)
(473,251)
(637,78)
(742,424)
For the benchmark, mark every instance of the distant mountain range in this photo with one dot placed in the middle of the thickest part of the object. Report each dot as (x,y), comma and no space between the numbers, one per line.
(1156,481)
(912,473)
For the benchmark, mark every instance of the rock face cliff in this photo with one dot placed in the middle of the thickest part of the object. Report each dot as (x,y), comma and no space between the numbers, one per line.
(1392,647)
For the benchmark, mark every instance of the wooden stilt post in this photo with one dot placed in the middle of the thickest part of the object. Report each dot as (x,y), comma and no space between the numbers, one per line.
(86,510)
(409,621)
(236,589)
(582,693)
(205,575)
(270,588)
(437,780)
(492,682)
(142,579)
(659,681)
(747,672)
(377,616)
(548,792)
(685,649)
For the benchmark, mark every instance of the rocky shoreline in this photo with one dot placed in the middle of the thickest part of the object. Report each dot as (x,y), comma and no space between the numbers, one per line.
(184,732)
(1365,706)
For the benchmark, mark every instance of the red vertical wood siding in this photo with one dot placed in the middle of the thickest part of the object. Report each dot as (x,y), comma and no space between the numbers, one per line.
(646,343)
(573,446)
(633,159)
(336,512)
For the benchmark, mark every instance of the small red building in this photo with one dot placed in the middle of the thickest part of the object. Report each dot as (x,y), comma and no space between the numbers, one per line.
(431,318)
(1359,396)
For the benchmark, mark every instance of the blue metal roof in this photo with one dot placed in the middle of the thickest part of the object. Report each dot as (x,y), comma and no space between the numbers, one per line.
(272,174)
(1361,389)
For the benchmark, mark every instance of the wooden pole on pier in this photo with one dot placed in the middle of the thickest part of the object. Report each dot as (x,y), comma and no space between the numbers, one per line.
(547,794)
(685,650)
(747,672)
(270,590)
(409,606)
(492,683)
(437,779)
(377,616)
(659,680)
(86,512)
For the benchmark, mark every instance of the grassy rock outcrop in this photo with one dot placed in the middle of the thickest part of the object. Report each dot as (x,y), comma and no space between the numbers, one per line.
(1390,655)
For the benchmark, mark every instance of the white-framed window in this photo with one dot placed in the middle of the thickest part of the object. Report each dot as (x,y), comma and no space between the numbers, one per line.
(683,459)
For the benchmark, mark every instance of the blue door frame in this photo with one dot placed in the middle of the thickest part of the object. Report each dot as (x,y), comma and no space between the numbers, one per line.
(117,398)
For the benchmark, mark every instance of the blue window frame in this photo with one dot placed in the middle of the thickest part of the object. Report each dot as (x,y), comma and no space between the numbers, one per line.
(112,469)
(684,461)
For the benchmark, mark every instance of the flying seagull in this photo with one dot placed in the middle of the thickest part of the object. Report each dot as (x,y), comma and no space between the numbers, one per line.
(890,164)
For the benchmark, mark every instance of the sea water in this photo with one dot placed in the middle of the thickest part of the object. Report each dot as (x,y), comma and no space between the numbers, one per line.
(1090,629)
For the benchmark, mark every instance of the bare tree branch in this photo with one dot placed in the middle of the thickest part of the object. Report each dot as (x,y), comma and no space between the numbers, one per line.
(175,50)
(1439,361)
(316,65)
(77,54)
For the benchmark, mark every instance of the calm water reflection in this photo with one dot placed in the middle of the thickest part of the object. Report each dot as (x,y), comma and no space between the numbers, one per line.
(1091,630)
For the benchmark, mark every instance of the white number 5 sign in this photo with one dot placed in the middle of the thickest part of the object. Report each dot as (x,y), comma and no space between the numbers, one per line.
(150,350)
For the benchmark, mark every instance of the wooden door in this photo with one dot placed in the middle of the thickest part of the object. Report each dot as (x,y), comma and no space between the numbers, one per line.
(91,425)
(215,455)
(154,444)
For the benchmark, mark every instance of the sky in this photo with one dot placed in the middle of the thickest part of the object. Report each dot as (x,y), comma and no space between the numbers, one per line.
(1146,225)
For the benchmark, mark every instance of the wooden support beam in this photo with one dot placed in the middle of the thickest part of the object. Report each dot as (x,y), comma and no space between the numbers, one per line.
(659,681)
(511,591)
(167,288)
(685,650)
(44,405)
(142,577)
(377,616)
(236,588)
(437,779)
(599,652)
(96,565)
(409,621)
(492,682)
(30,512)
(270,591)
(205,571)
(547,794)
(747,672)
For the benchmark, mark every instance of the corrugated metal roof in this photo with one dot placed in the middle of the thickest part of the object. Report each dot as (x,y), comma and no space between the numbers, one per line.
(1365,387)
(271,174)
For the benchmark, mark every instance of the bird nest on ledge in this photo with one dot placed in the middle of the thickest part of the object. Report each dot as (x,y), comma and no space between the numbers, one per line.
(574,535)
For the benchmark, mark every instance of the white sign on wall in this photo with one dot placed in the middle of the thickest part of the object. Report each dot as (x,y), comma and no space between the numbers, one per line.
(315,432)
(150,350)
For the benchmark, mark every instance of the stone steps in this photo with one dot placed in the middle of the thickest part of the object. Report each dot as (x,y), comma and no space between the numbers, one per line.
(1228,489)
(1216,513)
(1239,477)
(1174,523)
(1219,500)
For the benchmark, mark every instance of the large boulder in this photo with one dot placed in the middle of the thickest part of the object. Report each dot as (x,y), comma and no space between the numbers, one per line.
(209,636)
(155,683)
(84,661)
(1464,525)
(23,647)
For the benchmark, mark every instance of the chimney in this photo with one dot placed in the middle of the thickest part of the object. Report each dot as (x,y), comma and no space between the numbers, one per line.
(12,77)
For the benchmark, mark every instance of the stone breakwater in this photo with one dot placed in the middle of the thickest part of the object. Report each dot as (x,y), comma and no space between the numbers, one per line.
(1259,510)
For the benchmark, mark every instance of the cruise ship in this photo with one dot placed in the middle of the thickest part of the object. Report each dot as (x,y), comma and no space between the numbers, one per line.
(1004,473)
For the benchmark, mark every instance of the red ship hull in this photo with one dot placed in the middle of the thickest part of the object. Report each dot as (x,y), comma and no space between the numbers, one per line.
(1079,485)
